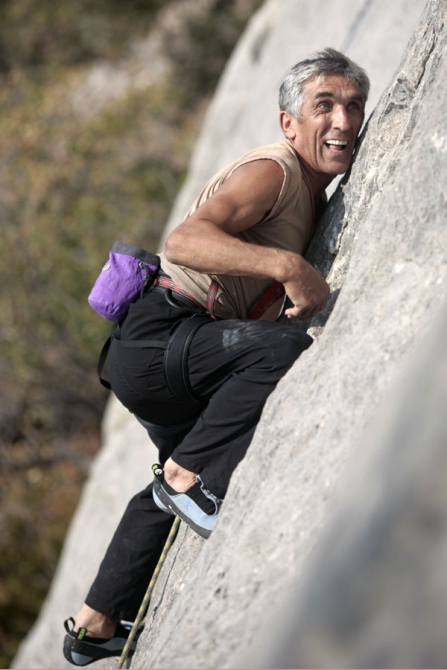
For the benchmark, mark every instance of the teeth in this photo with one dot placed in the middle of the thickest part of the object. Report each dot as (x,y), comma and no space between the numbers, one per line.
(338,143)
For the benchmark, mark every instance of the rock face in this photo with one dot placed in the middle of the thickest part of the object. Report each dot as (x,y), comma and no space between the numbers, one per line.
(320,544)
(375,594)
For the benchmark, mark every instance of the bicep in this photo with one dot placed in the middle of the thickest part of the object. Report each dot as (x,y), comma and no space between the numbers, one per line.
(244,199)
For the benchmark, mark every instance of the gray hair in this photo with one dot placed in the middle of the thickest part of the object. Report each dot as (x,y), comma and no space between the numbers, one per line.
(325,62)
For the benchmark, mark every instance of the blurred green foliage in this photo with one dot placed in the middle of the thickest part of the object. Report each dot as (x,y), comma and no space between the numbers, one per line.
(43,32)
(70,184)
(68,188)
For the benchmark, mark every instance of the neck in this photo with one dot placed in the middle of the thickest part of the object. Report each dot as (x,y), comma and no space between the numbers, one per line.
(319,181)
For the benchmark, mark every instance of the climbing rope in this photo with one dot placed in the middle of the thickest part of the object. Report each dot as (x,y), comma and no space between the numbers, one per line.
(147,596)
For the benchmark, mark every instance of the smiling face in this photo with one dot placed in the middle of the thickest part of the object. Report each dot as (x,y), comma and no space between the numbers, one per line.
(330,121)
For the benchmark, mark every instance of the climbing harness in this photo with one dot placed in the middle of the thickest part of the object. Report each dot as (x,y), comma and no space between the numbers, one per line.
(147,596)
(274,292)
(131,272)
(175,358)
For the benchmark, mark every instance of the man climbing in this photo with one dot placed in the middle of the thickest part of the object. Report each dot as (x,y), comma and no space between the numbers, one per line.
(224,274)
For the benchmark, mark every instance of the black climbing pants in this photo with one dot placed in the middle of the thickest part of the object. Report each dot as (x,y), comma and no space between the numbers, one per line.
(233,367)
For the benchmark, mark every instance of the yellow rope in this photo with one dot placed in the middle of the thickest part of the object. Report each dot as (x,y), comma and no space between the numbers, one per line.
(147,596)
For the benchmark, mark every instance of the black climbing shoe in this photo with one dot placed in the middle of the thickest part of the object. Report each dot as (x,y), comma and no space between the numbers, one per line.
(197,506)
(80,649)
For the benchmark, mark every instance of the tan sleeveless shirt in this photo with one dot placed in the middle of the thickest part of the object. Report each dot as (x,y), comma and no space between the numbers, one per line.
(289,225)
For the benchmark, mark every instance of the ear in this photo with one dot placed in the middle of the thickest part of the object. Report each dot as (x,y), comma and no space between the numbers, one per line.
(287,125)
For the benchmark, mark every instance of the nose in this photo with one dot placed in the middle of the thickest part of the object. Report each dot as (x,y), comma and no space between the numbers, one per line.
(340,118)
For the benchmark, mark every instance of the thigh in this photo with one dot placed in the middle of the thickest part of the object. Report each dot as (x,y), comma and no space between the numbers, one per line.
(137,375)
(221,349)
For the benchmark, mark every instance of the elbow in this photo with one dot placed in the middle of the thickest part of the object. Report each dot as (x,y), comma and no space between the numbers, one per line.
(173,248)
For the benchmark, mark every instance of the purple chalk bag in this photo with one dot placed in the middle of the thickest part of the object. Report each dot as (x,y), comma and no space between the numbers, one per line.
(126,274)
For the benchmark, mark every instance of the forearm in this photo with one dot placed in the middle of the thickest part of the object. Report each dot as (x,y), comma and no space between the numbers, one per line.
(206,248)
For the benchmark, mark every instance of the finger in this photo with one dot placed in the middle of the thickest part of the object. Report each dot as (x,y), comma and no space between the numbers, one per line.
(302,313)
(298,314)
(293,312)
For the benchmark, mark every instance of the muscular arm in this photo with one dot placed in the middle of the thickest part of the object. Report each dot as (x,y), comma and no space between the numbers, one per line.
(205,241)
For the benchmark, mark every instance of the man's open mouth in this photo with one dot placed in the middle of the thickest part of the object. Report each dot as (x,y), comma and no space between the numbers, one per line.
(336,145)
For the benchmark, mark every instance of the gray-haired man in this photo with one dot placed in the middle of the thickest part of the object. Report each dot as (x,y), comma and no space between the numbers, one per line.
(235,256)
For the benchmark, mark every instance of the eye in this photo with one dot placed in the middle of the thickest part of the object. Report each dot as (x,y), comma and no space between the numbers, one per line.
(355,106)
(324,105)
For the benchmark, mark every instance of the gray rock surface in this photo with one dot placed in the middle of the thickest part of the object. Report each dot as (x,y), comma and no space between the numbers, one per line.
(217,601)
(375,594)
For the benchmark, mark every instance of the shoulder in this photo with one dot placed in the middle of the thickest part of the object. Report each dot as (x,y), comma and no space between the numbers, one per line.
(278,162)
(261,171)
(280,152)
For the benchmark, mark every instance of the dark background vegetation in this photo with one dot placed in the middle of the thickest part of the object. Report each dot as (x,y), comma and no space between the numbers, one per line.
(70,184)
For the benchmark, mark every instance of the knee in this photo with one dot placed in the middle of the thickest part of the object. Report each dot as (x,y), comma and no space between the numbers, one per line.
(289,345)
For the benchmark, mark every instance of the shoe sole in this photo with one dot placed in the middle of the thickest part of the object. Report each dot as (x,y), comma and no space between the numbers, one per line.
(82,653)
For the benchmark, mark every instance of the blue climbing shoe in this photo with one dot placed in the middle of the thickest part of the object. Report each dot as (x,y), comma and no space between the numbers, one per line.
(80,649)
(197,506)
